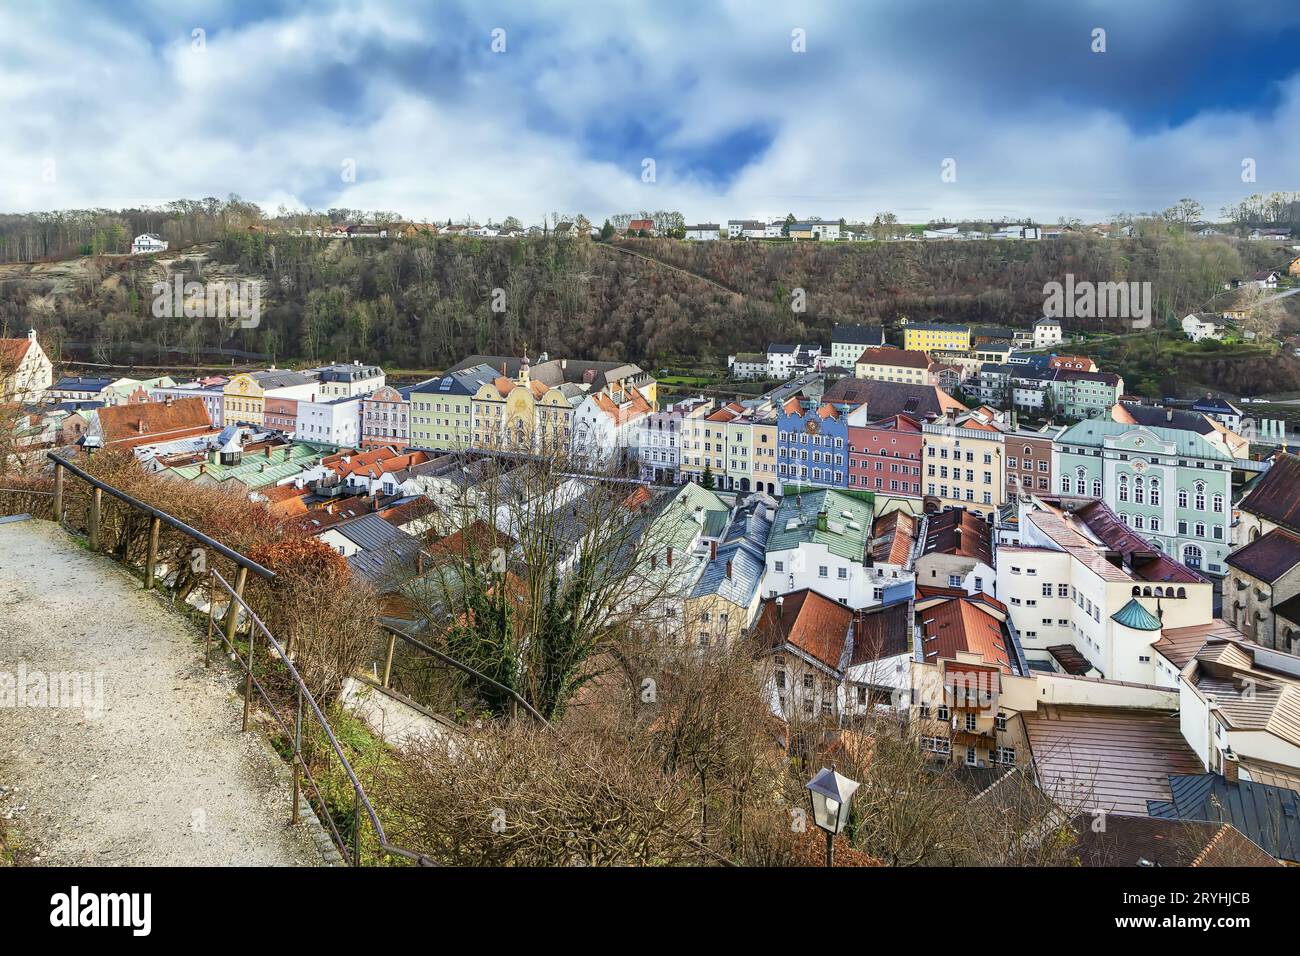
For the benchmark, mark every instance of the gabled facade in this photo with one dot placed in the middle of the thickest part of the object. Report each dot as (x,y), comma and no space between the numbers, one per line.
(1172,487)
(26,372)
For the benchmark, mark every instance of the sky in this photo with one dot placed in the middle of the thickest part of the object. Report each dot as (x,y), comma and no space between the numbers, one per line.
(723,109)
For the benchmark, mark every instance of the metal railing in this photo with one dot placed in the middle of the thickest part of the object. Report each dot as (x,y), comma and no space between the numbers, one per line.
(305,703)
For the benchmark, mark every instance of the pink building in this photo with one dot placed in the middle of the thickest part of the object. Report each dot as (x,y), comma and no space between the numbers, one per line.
(885,457)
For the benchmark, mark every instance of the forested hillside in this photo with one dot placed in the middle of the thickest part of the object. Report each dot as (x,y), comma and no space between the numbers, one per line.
(423,303)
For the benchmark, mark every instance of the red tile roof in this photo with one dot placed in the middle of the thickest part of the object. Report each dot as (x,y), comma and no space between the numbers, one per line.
(893,536)
(957,531)
(958,625)
(12,351)
(149,422)
(808,621)
(899,358)
(1268,557)
(1274,496)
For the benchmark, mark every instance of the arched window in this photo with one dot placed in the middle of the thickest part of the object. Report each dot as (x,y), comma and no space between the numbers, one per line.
(1065,484)
(1080,482)
(1191,558)
(1137,591)
(1160,592)
(1139,491)
(1124,518)
(1200,496)
(1028,451)
(1182,497)
(1182,592)
(1123,487)
(1200,529)
(1155,491)
(1146,591)
(1096,487)
(1218,504)
(1139,522)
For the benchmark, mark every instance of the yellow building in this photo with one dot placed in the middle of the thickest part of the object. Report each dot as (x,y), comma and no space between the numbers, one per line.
(895,365)
(928,336)
(964,464)
(442,409)
(242,400)
(521,414)
(763,461)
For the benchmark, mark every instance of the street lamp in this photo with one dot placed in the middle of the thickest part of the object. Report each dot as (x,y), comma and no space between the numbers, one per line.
(831,793)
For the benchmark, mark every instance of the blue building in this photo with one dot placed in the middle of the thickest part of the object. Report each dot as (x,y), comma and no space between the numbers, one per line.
(812,442)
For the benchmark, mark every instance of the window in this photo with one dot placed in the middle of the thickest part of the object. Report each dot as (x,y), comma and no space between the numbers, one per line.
(823,571)
(1200,496)
(1063,590)
(970,721)
(1000,721)
(1096,487)
(1155,491)
(942,712)
(1218,504)
(937,745)
(954,580)
(924,711)
(779,566)
(1005,755)
(1047,590)
(971,758)
(1182,497)
(1123,487)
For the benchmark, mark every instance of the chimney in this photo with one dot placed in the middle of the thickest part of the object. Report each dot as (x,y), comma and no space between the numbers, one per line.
(780,607)
(268,451)
(821,520)
(1229,766)
(1169,414)
(670,556)
(728,569)
(203,467)
(713,551)
(419,562)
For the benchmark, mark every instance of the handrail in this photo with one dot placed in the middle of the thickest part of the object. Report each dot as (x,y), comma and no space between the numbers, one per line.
(465,668)
(165,518)
(296,732)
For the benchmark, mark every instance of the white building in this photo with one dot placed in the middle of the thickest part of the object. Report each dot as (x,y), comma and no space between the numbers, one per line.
(213,397)
(1200,326)
(746,229)
(605,429)
(704,231)
(748,366)
(819,540)
(148,243)
(330,421)
(1047,332)
(785,361)
(348,381)
(26,372)
(1091,597)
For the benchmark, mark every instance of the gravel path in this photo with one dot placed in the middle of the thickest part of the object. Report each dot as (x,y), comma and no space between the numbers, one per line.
(162,776)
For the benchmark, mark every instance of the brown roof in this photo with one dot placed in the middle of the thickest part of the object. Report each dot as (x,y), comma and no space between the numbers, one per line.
(1247,696)
(899,358)
(1111,759)
(961,624)
(886,399)
(1145,561)
(1268,557)
(881,631)
(149,422)
(12,352)
(893,536)
(1179,645)
(959,532)
(1156,841)
(1071,661)
(928,593)
(808,621)
(1274,496)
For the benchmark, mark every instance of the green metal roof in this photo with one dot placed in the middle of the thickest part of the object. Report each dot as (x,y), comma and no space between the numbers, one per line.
(255,471)
(1095,431)
(1134,615)
(676,526)
(796,522)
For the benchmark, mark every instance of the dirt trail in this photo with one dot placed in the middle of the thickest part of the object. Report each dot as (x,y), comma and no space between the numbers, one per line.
(162,776)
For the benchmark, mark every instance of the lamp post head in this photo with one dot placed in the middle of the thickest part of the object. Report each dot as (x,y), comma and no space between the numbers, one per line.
(831,794)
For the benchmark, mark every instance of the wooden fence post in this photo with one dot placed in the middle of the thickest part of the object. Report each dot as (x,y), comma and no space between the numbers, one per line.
(232,619)
(151,559)
(96,508)
(58,493)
